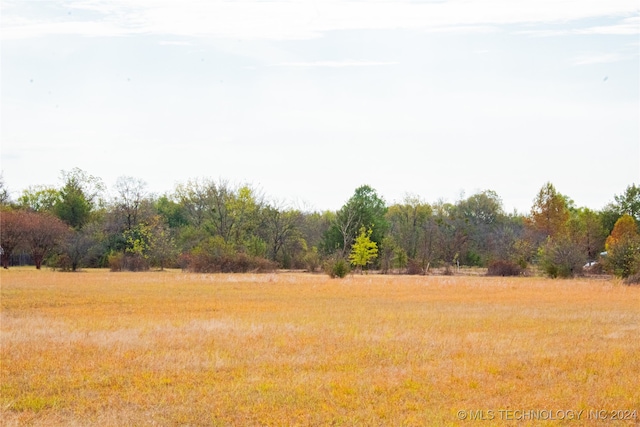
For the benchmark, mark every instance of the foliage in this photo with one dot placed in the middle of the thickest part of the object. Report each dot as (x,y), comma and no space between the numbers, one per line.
(43,233)
(414,267)
(312,259)
(138,240)
(78,197)
(162,248)
(559,257)
(364,209)
(337,267)
(172,212)
(623,258)
(625,228)
(409,226)
(39,198)
(587,232)
(5,197)
(504,268)
(127,262)
(400,259)
(363,251)
(12,231)
(629,202)
(78,248)
(550,212)
(623,248)
(217,256)
(411,236)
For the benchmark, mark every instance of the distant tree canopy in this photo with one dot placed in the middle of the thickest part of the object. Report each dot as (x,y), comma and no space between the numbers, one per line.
(364,209)
(623,248)
(550,212)
(207,225)
(629,202)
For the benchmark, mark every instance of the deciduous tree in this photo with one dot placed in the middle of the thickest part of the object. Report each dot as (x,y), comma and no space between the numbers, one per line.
(550,212)
(130,201)
(364,209)
(43,233)
(364,250)
(39,198)
(12,231)
(629,202)
(623,248)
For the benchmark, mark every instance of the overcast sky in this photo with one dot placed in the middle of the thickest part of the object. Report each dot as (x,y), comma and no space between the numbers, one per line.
(308,100)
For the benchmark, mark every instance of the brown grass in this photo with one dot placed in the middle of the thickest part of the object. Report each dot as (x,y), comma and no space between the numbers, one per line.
(101,348)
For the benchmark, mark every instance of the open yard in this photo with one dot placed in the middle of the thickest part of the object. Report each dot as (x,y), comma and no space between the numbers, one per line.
(169,348)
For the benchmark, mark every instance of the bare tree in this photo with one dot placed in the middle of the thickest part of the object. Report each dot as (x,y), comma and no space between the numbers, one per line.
(279,227)
(131,196)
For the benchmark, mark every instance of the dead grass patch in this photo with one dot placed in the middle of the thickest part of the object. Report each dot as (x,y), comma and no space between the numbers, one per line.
(102,348)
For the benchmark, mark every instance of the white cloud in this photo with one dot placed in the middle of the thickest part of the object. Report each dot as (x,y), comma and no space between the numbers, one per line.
(306,19)
(600,58)
(626,26)
(334,64)
(174,43)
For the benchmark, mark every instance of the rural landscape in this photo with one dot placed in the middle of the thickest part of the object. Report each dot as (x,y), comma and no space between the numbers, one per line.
(212,305)
(319,213)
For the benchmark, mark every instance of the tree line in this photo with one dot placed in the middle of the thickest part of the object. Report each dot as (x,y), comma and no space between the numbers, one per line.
(207,225)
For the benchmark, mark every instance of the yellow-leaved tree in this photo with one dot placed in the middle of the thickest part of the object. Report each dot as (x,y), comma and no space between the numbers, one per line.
(364,250)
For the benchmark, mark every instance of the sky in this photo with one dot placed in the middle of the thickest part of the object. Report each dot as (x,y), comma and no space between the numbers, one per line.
(307,100)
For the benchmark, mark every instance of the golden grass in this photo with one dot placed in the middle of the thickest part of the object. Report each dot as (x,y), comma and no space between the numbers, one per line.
(101,348)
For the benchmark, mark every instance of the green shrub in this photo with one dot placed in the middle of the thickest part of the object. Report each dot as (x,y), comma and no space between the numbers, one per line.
(312,259)
(337,268)
(60,262)
(561,258)
(623,257)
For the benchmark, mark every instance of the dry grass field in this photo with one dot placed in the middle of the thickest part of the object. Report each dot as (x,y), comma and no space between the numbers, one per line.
(175,349)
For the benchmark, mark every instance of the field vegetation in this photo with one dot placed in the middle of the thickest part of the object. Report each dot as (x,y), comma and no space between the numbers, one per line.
(207,226)
(172,348)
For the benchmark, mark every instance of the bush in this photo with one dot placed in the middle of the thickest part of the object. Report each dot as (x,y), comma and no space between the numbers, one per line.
(337,268)
(312,260)
(216,256)
(561,258)
(623,257)
(60,262)
(127,262)
(235,263)
(504,268)
(414,267)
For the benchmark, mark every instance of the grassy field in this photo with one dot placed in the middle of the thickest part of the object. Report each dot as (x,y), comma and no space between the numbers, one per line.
(116,349)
